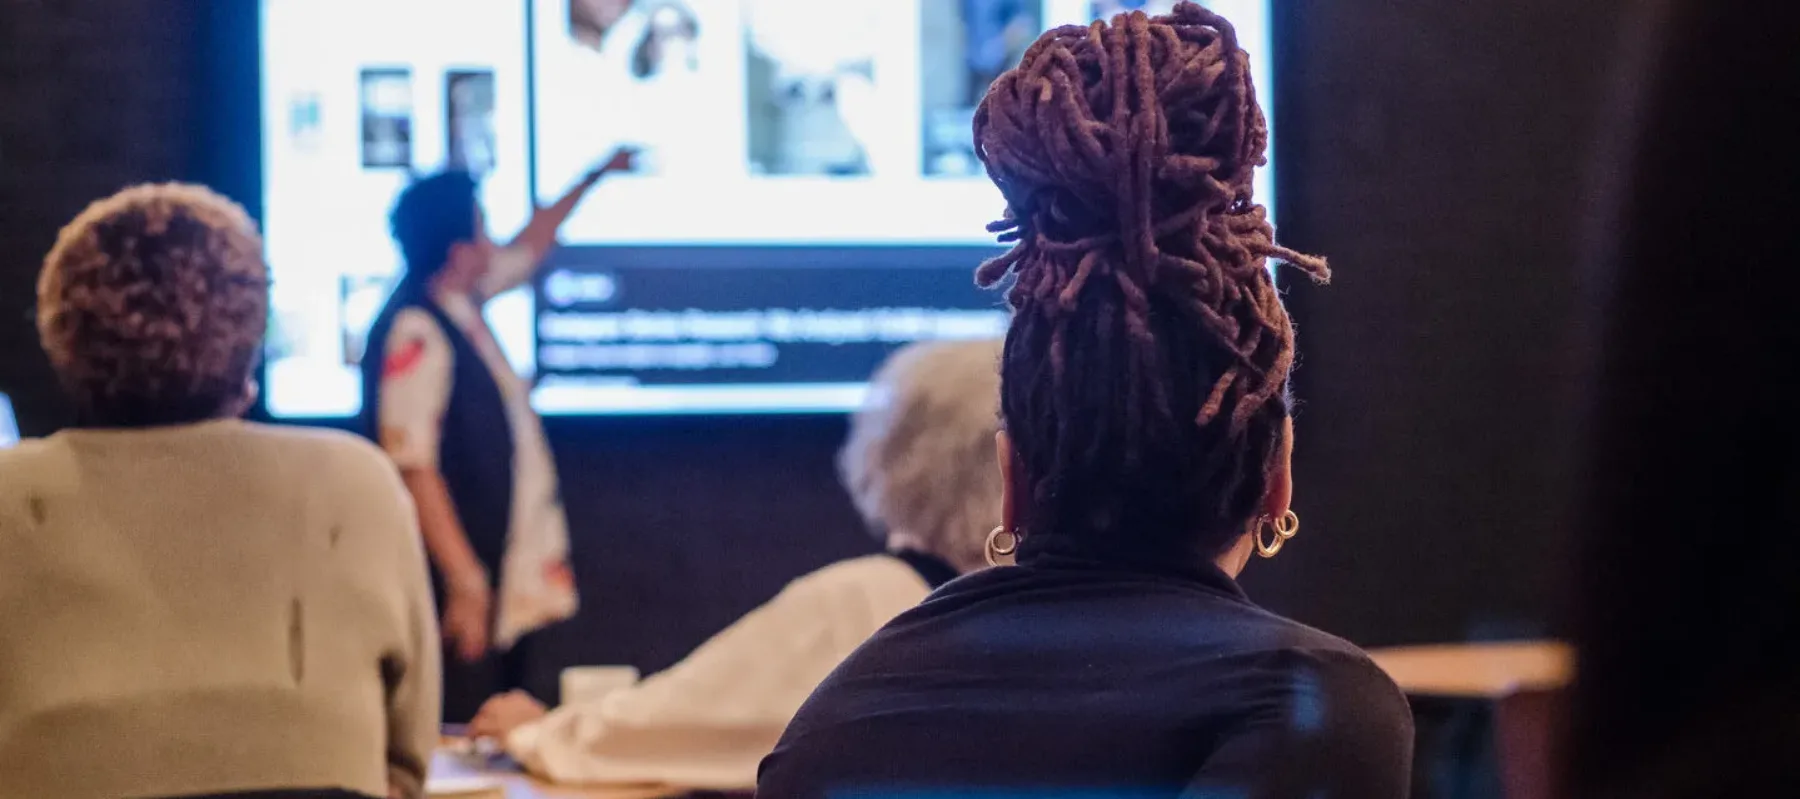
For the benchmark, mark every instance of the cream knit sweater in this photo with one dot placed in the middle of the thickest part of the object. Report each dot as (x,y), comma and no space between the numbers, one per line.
(211,608)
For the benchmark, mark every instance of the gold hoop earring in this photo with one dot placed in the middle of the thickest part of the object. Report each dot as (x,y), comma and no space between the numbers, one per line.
(1002,544)
(1288,525)
(1281,531)
(1270,549)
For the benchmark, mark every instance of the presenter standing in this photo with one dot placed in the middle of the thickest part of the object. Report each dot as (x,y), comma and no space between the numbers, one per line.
(447,406)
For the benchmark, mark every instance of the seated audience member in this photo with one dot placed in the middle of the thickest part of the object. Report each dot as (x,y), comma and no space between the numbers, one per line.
(1144,394)
(1687,623)
(920,465)
(196,605)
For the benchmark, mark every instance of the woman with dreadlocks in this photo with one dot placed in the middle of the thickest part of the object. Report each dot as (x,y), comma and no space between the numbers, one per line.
(1145,458)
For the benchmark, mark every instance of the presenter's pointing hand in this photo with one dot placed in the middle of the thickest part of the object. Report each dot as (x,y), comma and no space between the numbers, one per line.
(623,159)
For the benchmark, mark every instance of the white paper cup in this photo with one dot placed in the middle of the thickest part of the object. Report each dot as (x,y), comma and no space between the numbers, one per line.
(582,685)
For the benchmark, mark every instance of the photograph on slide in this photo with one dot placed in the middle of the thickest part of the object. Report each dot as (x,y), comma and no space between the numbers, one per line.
(469,121)
(813,96)
(751,115)
(653,75)
(963,46)
(387,124)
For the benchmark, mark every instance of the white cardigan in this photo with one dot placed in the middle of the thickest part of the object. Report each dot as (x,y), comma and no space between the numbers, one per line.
(706,722)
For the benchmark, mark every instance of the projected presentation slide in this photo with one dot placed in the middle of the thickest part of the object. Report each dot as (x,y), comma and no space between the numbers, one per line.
(9,424)
(806,196)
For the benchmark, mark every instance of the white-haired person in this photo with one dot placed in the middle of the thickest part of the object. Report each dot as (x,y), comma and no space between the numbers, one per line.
(195,605)
(919,464)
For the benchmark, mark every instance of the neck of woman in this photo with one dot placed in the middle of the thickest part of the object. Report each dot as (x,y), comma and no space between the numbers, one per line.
(1233,560)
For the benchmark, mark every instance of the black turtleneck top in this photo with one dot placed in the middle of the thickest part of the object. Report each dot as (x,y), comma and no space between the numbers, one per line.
(1069,676)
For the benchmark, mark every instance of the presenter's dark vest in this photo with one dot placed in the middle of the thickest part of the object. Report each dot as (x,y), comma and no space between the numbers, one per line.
(475,449)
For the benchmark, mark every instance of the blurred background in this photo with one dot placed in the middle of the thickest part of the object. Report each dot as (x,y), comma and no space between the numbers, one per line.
(1436,152)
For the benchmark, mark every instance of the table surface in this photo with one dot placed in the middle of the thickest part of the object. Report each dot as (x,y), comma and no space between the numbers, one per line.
(1477,671)
(447,766)
(1445,670)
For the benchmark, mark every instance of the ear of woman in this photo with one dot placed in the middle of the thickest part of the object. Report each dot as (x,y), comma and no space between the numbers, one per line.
(1278,497)
(1276,519)
(1009,517)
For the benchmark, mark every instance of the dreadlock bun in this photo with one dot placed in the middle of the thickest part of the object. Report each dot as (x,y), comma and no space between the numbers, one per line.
(1147,366)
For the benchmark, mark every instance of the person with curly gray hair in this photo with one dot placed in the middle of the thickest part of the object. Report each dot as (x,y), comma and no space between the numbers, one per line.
(920,465)
(210,606)
(919,461)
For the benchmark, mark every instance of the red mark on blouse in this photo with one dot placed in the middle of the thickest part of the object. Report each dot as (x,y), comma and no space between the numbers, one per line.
(404,360)
(558,574)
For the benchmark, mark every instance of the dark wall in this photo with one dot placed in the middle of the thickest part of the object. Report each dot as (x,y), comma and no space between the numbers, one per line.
(93,96)
(1438,152)
(1435,151)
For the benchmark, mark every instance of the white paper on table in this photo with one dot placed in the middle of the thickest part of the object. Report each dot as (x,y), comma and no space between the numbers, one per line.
(465,788)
